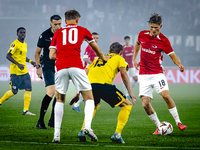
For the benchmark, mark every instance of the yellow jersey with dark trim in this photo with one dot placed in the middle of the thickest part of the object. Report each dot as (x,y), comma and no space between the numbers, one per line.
(18,51)
(105,72)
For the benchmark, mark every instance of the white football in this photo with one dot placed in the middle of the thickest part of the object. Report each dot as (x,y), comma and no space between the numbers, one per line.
(165,128)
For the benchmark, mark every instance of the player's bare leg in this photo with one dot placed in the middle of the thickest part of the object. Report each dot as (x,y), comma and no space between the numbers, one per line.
(172,109)
(58,115)
(146,103)
(89,110)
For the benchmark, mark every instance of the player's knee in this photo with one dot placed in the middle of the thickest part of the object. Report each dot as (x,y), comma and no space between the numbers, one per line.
(50,93)
(166,97)
(15,91)
(146,105)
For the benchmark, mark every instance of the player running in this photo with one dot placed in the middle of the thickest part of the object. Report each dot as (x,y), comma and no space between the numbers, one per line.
(65,49)
(128,51)
(19,76)
(101,75)
(153,44)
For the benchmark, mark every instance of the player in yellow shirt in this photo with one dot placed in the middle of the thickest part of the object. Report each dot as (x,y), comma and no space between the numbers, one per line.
(20,78)
(101,75)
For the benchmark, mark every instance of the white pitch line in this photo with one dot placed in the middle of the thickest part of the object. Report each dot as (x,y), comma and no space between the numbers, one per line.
(38,143)
(154,147)
(88,145)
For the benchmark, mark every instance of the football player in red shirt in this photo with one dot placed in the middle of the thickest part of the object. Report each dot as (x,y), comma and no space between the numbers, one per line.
(88,57)
(65,49)
(151,73)
(127,53)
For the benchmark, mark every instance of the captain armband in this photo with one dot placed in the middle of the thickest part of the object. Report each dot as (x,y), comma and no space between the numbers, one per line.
(30,61)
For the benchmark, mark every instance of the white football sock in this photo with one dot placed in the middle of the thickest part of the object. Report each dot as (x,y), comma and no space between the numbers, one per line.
(174,113)
(58,110)
(133,83)
(89,110)
(125,90)
(155,119)
(79,101)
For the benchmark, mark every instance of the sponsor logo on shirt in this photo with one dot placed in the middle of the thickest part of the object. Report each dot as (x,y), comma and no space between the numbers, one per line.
(148,51)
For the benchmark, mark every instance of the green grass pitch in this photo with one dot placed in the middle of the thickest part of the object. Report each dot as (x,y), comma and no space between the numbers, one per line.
(19,132)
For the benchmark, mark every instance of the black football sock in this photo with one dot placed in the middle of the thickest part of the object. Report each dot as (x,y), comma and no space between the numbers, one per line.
(45,104)
(52,112)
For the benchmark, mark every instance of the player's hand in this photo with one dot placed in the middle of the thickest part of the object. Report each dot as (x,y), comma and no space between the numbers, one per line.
(74,99)
(136,64)
(33,63)
(181,67)
(39,72)
(133,98)
(21,66)
(106,58)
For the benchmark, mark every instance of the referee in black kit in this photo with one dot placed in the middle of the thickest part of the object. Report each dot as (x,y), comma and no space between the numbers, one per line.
(47,67)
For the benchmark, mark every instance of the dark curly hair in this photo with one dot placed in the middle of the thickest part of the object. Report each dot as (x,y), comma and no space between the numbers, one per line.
(155,18)
(116,48)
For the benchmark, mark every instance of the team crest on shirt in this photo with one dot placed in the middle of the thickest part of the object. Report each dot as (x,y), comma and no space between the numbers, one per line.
(154,46)
(13,45)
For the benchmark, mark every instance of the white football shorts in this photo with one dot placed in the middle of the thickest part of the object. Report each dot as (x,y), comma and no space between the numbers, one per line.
(132,72)
(149,82)
(78,77)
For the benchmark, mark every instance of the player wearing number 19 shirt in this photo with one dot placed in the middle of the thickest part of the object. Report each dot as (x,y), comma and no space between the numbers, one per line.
(65,49)
(151,74)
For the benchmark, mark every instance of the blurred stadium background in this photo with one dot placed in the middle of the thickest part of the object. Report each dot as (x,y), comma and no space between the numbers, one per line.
(112,19)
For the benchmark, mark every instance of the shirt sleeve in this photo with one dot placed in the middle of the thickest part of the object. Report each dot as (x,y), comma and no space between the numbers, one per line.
(168,48)
(123,63)
(12,48)
(88,36)
(40,42)
(139,37)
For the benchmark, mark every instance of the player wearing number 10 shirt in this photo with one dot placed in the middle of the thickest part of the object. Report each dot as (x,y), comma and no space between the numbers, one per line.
(153,45)
(65,49)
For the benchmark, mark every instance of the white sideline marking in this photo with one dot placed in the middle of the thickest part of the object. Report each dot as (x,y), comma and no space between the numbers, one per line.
(117,146)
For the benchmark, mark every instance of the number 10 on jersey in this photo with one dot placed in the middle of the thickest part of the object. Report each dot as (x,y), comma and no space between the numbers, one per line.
(71,36)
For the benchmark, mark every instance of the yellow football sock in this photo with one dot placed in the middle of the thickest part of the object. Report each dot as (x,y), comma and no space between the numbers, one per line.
(6,96)
(27,99)
(95,109)
(123,117)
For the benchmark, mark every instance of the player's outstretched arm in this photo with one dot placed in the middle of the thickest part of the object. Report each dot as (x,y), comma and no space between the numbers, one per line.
(98,51)
(177,61)
(10,58)
(126,82)
(52,53)
(136,51)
